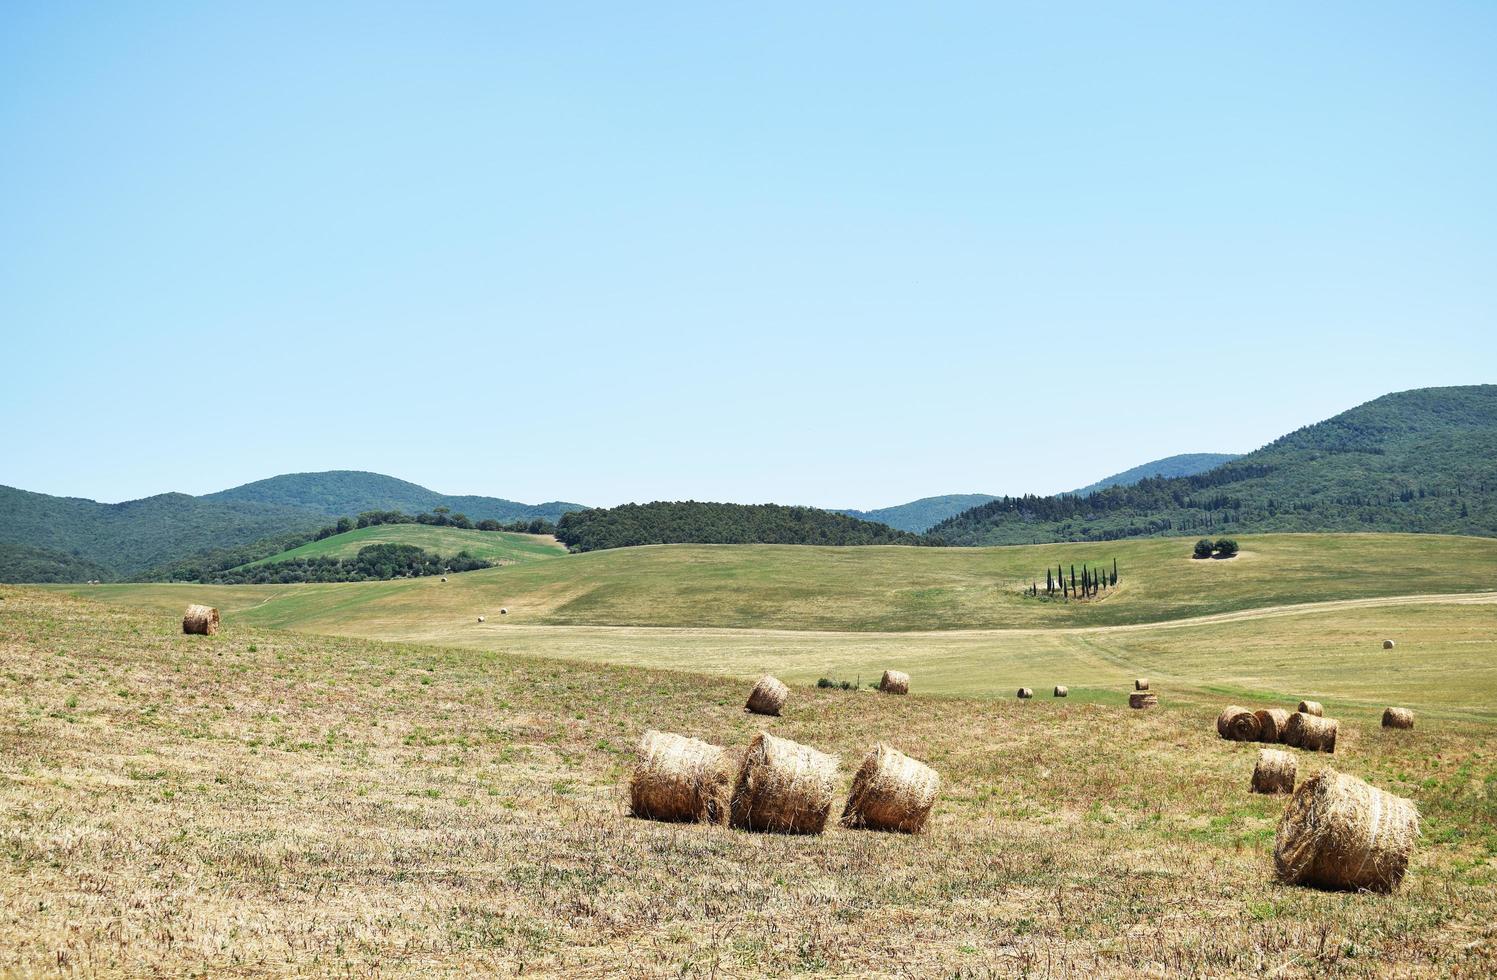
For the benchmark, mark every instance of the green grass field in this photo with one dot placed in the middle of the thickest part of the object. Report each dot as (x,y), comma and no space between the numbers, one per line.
(495,546)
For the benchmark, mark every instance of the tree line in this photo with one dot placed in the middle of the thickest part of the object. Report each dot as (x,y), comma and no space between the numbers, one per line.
(695,522)
(375,562)
(1089,585)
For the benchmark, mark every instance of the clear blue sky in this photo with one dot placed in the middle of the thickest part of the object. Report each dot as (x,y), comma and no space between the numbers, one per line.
(843,255)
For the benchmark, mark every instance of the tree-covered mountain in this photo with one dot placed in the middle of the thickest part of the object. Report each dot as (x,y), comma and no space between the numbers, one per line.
(1185,464)
(693,522)
(83,539)
(919,515)
(1422,461)
(339,493)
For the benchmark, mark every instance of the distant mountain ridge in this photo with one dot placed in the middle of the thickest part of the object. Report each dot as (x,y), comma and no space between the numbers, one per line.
(1414,461)
(1185,464)
(71,538)
(920,515)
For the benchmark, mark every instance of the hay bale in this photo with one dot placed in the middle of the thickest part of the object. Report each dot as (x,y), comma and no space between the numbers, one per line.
(1237,724)
(1141,684)
(200,620)
(891,791)
(1387,644)
(1062,691)
(1312,708)
(895,682)
(1398,718)
(1339,832)
(783,787)
(1025,693)
(680,779)
(1271,722)
(503,612)
(1275,771)
(768,696)
(1142,700)
(1311,732)
(444,578)
(480,619)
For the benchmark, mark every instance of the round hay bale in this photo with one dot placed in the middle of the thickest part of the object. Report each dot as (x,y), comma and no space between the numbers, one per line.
(1398,718)
(1141,684)
(1339,832)
(1025,693)
(1271,722)
(1062,691)
(1311,732)
(480,619)
(1142,700)
(768,696)
(891,791)
(783,787)
(200,620)
(1312,708)
(503,612)
(1387,644)
(1275,771)
(1237,724)
(444,578)
(895,682)
(680,779)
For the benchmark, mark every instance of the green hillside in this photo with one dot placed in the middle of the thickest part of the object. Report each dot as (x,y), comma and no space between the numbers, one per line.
(919,515)
(1420,461)
(344,493)
(19,563)
(1186,464)
(694,522)
(495,546)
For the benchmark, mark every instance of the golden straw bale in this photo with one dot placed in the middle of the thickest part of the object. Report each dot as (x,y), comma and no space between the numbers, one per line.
(1271,722)
(201,620)
(1398,718)
(1275,771)
(891,791)
(1142,699)
(895,682)
(1339,832)
(783,787)
(1026,692)
(1312,708)
(1387,644)
(1142,684)
(1062,691)
(768,696)
(1237,724)
(1311,732)
(681,779)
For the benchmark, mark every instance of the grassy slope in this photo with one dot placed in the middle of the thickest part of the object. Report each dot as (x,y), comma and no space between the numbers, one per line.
(263,802)
(495,546)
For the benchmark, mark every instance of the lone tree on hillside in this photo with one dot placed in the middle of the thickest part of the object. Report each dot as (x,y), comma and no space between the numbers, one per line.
(1204,548)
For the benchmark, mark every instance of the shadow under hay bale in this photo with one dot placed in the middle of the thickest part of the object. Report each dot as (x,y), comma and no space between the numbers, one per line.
(200,620)
(895,682)
(1143,700)
(1339,832)
(891,791)
(783,787)
(1237,724)
(1141,684)
(1271,722)
(1062,691)
(768,696)
(1312,708)
(1275,771)
(1311,732)
(1025,693)
(1398,718)
(681,779)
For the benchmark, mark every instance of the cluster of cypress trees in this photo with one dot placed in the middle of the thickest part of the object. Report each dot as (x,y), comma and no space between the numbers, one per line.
(1091,582)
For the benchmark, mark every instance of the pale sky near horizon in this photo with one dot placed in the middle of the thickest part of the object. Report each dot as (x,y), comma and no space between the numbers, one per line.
(842,254)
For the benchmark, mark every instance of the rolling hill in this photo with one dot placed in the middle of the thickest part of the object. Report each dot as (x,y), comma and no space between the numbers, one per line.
(72,536)
(695,522)
(1186,464)
(1419,461)
(919,515)
(500,547)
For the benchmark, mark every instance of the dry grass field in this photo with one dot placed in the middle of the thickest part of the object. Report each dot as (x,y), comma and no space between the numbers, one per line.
(265,802)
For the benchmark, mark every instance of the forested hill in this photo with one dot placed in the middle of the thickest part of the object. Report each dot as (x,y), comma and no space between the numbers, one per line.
(1185,464)
(691,522)
(1422,461)
(917,515)
(335,493)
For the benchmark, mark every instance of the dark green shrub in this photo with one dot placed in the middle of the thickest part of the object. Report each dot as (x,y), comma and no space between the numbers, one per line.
(1204,548)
